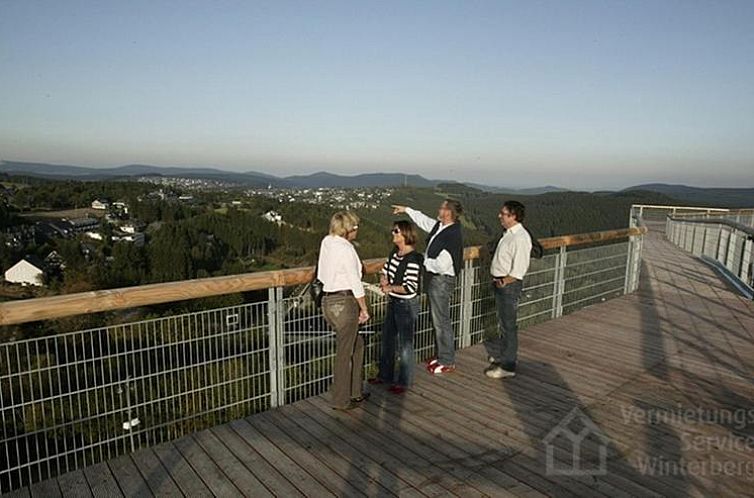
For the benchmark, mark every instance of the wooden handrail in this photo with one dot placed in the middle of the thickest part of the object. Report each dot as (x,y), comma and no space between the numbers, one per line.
(46,308)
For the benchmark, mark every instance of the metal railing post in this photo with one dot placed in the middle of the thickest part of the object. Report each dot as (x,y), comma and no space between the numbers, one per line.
(731,253)
(721,241)
(467,310)
(280,336)
(276,346)
(746,261)
(559,283)
(639,248)
(735,250)
(628,278)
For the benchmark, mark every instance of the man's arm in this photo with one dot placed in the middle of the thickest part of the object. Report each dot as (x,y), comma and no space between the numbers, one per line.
(422,220)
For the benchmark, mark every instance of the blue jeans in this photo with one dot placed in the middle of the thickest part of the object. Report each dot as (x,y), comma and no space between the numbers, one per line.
(400,318)
(504,347)
(439,291)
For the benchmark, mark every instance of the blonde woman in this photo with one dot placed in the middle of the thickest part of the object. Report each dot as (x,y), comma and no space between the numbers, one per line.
(344,307)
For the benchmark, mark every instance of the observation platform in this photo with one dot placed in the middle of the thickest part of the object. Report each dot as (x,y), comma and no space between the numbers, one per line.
(658,382)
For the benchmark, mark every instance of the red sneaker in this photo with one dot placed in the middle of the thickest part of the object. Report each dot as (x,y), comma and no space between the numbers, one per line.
(398,389)
(439,369)
(431,363)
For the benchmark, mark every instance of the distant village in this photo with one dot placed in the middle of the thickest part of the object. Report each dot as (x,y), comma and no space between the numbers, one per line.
(111,219)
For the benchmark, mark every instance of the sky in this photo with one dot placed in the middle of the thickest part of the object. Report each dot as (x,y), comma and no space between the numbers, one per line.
(578,94)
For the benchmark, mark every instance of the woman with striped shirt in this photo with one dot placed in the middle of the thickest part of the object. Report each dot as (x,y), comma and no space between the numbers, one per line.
(400,281)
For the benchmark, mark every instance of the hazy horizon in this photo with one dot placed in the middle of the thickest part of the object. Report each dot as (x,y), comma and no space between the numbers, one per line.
(582,95)
(315,171)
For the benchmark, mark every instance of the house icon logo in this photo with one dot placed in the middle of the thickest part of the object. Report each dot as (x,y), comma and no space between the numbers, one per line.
(570,435)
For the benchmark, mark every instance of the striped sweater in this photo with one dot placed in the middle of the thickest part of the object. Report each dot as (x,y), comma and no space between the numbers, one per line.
(410,277)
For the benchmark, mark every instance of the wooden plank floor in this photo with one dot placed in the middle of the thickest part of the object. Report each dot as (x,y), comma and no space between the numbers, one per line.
(658,379)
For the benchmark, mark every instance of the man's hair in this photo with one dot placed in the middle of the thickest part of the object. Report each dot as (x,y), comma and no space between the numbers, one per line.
(408,230)
(516,209)
(455,208)
(343,222)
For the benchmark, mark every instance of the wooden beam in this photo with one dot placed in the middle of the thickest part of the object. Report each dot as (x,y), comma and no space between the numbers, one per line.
(47,308)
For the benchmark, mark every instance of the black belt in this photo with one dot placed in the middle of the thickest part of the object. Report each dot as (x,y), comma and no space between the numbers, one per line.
(340,293)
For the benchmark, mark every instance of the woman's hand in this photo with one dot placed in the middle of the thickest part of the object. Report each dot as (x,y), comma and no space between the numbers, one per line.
(363,316)
(398,209)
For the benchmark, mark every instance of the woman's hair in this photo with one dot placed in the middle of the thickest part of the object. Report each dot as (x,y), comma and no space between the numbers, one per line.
(343,222)
(408,230)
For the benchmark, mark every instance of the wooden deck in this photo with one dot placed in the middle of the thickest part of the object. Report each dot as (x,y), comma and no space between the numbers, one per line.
(683,342)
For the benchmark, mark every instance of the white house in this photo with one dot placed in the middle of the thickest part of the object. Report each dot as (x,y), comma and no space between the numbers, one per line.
(28,271)
(98,204)
(120,206)
(273,217)
(137,238)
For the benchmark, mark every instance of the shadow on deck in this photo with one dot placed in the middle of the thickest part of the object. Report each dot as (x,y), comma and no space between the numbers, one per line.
(660,381)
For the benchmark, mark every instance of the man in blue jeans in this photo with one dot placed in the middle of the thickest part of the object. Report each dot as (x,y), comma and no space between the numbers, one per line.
(509,265)
(443,261)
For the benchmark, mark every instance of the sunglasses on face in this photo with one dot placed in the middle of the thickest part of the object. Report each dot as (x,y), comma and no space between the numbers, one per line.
(395,231)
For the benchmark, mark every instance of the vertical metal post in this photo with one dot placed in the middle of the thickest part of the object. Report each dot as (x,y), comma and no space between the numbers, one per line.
(628,278)
(731,252)
(280,348)
(638,248)
(467,309)
(721,242)
(272,343)
(673,231)
(559,283)
(632,215)
(746,261)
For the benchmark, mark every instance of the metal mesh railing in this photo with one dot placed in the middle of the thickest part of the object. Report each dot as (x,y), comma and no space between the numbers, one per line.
(75,399)
(83,397)
(726,241)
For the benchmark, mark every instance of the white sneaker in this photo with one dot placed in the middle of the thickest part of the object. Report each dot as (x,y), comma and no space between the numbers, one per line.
(498,372)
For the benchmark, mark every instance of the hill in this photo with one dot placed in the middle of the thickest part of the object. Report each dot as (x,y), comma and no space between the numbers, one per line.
(709,197)
(68,172)
(324,179)
(321,179)
(523,191)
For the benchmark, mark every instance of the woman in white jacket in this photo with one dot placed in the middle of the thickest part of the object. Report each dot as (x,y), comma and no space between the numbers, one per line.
(344,307)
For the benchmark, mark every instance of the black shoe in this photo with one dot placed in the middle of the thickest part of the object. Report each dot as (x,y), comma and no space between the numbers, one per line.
(362,398)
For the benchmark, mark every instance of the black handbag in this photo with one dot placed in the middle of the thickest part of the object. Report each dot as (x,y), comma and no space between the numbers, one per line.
(316,288)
